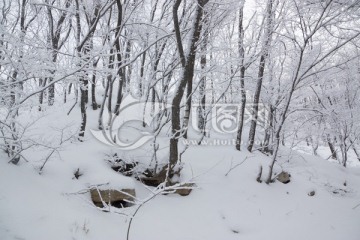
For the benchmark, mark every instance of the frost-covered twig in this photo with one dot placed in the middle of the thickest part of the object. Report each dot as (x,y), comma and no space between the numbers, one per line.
(356,206)
(62,141)
(235,166)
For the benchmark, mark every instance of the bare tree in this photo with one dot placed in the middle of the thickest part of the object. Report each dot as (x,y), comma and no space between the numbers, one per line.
(326,14)
(55,42)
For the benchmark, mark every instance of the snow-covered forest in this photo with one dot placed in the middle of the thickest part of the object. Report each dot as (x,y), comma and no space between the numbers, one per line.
(179,119)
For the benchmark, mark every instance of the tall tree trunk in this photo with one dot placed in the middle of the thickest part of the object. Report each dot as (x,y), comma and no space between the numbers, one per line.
(242,76)
(188,73)
(263,57)
(202,88)
(121,71)
(83,47)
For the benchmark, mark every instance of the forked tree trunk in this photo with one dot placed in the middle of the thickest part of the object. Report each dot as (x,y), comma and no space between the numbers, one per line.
(188,73)
(54,41)
(82,49)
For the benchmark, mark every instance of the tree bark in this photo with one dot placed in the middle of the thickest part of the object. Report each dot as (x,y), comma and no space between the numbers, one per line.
(202,88)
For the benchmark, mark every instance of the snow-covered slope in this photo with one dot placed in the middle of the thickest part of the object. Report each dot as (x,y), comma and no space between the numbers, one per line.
(52,205)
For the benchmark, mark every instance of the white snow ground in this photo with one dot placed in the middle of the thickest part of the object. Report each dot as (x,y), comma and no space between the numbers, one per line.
(51,206)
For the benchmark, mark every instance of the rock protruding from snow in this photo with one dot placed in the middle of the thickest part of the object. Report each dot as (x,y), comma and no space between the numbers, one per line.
(311,193)
(283,177)
(117,198)
(185,189)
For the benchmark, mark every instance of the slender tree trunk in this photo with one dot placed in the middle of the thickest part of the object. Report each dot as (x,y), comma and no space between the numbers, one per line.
(266,144)
(102,107)
(83,48)
(111,85)
(42,83)
(152,89)
(121,71)
(281,122)
(187,107)
(332,148)
(344,149)
(83,100)
(263,57)
(83,82)
(129,69)
(69,89)
(51,89)
(242,77)
(119,93)
(51,92)
(65,96)
(354,149)
(140,84)
(202,89)
(93,88)
(345,155)
(242,109)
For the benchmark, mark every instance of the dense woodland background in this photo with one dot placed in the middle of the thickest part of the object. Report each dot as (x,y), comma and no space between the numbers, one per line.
(298,59)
